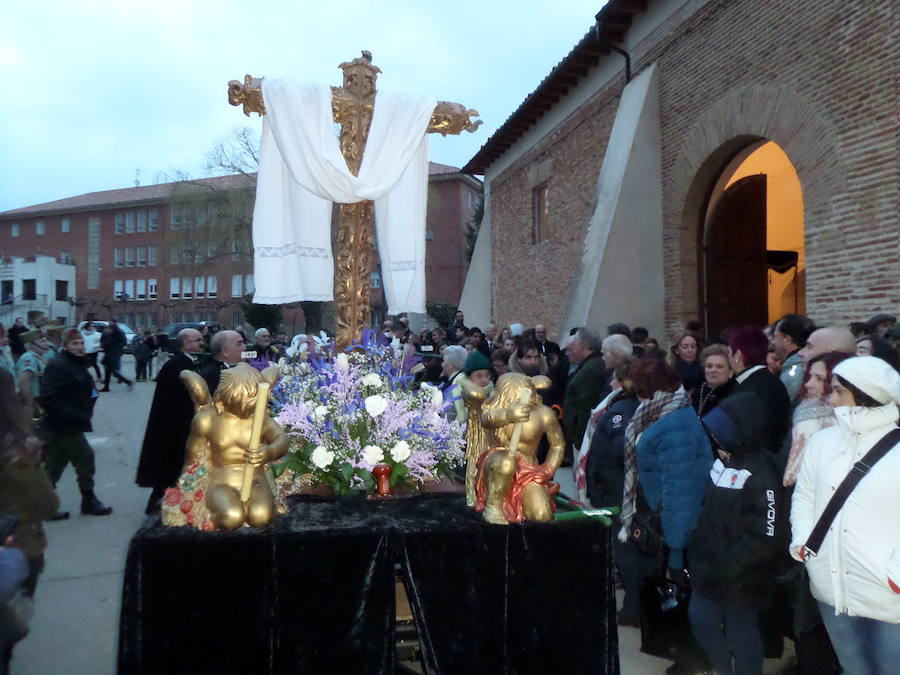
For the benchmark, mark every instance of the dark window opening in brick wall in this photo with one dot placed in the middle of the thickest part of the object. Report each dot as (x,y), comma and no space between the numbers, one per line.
(540,205)
(62,291)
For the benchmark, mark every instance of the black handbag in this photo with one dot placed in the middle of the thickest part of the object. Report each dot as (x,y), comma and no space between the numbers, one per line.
(665,626)
(646,528)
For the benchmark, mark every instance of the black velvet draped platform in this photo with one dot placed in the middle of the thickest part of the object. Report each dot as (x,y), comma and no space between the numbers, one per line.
(314,593)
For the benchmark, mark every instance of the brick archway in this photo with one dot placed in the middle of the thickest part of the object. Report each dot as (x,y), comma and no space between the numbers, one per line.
(738,119)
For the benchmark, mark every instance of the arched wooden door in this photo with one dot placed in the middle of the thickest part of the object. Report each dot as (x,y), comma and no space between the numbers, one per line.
(735,256)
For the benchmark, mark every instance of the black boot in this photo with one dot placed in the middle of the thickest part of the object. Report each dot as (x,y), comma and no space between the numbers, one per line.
(91,506)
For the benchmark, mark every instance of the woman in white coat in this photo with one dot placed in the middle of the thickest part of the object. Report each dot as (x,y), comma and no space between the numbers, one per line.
(855,575)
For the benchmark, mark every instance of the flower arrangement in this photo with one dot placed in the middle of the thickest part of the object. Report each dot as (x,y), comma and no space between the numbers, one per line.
(349,412)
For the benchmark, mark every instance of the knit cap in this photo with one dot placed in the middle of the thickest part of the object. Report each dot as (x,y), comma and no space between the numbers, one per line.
(872,376)
(477,361)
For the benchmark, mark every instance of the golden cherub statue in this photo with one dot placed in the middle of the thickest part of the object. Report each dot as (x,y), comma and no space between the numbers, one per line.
(225,483)
(511,485)
(474,392)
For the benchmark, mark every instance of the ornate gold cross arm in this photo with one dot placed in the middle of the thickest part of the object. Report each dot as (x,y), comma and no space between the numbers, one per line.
(448,117)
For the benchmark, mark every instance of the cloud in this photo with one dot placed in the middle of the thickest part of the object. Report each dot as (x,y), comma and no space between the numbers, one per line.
(105,87)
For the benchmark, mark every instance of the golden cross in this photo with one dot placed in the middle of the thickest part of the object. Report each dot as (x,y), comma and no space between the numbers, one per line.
(352,106)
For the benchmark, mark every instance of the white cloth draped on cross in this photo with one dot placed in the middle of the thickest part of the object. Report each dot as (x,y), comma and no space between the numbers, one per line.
(302,172)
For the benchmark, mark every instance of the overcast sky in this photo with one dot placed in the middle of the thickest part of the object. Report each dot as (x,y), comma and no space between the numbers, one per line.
(96,90)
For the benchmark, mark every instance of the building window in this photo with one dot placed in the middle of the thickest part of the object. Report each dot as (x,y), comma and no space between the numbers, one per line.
(237,282)
(29,289)
(235,250)
(540,207)
(186,288)
(199,254)
(470,199)
(151,319)
(175,287)
(211,287)
(39,227)
(118,288)
(65,257)
(200,286)
(14,230)
(65,225)
(152,255)
(375,279)
(153,218)
(141,289)
(141,221)
(141,256)
(120,223)
(236,319)
(249,288)
(129,289)
(129,256)
(62,291)
(174,254)
(177,217)
(429,235)
(119,257)
(151,289)
(212,251)
(199,316)
(129,222)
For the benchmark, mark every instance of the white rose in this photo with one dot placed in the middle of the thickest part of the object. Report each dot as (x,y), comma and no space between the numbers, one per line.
(375,405)
(437,398)
(400,452)
(342,361)
(372,380)
(320,412)
(373,454)
(322,456)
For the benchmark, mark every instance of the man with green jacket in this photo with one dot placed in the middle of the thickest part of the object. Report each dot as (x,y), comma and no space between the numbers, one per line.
(585,388)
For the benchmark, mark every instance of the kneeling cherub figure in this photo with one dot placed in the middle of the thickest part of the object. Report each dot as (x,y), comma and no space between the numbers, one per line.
(218,446)
(511,488)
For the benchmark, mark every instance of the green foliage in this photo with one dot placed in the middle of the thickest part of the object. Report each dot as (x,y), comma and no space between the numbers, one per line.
(472,228)
(442,312)
(261,316)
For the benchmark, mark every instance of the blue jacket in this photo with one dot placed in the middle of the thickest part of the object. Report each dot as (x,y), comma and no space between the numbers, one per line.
(674,458)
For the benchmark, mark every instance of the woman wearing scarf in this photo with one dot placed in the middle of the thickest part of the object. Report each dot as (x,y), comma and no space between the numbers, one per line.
(667,462)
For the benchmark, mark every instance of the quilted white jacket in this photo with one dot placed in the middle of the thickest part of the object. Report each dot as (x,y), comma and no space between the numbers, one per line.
(862,548)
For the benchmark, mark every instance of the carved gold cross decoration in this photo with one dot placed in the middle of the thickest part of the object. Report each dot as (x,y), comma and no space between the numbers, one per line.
(352,106)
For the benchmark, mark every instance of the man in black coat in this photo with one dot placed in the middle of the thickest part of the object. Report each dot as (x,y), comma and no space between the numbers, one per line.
(113,342)
(162,454)
(226,347)
(585,387)
(68,396)
(544,345)
(749,347)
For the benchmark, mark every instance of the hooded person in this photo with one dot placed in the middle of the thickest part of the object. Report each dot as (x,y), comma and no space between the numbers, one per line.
(738,539)
(855,573)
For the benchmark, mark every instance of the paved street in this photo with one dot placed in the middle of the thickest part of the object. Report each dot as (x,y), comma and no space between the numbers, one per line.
(75,628)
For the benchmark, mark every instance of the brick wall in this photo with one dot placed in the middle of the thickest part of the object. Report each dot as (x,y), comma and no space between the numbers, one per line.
(817,78)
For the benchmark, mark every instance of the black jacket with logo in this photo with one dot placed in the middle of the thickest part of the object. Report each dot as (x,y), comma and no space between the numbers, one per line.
(735,550)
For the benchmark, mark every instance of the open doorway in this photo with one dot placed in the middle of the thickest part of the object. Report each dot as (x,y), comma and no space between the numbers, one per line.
(753,245)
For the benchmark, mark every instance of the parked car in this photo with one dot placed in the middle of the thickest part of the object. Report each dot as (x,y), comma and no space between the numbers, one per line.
(173,329)
(101,325)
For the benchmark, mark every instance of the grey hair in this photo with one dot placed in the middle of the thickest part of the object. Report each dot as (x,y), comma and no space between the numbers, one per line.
(590,339)
(619,345)
(218,341)
(456,356)
(183,335)
(260,331)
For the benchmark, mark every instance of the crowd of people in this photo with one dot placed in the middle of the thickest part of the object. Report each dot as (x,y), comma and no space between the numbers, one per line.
(723,458)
